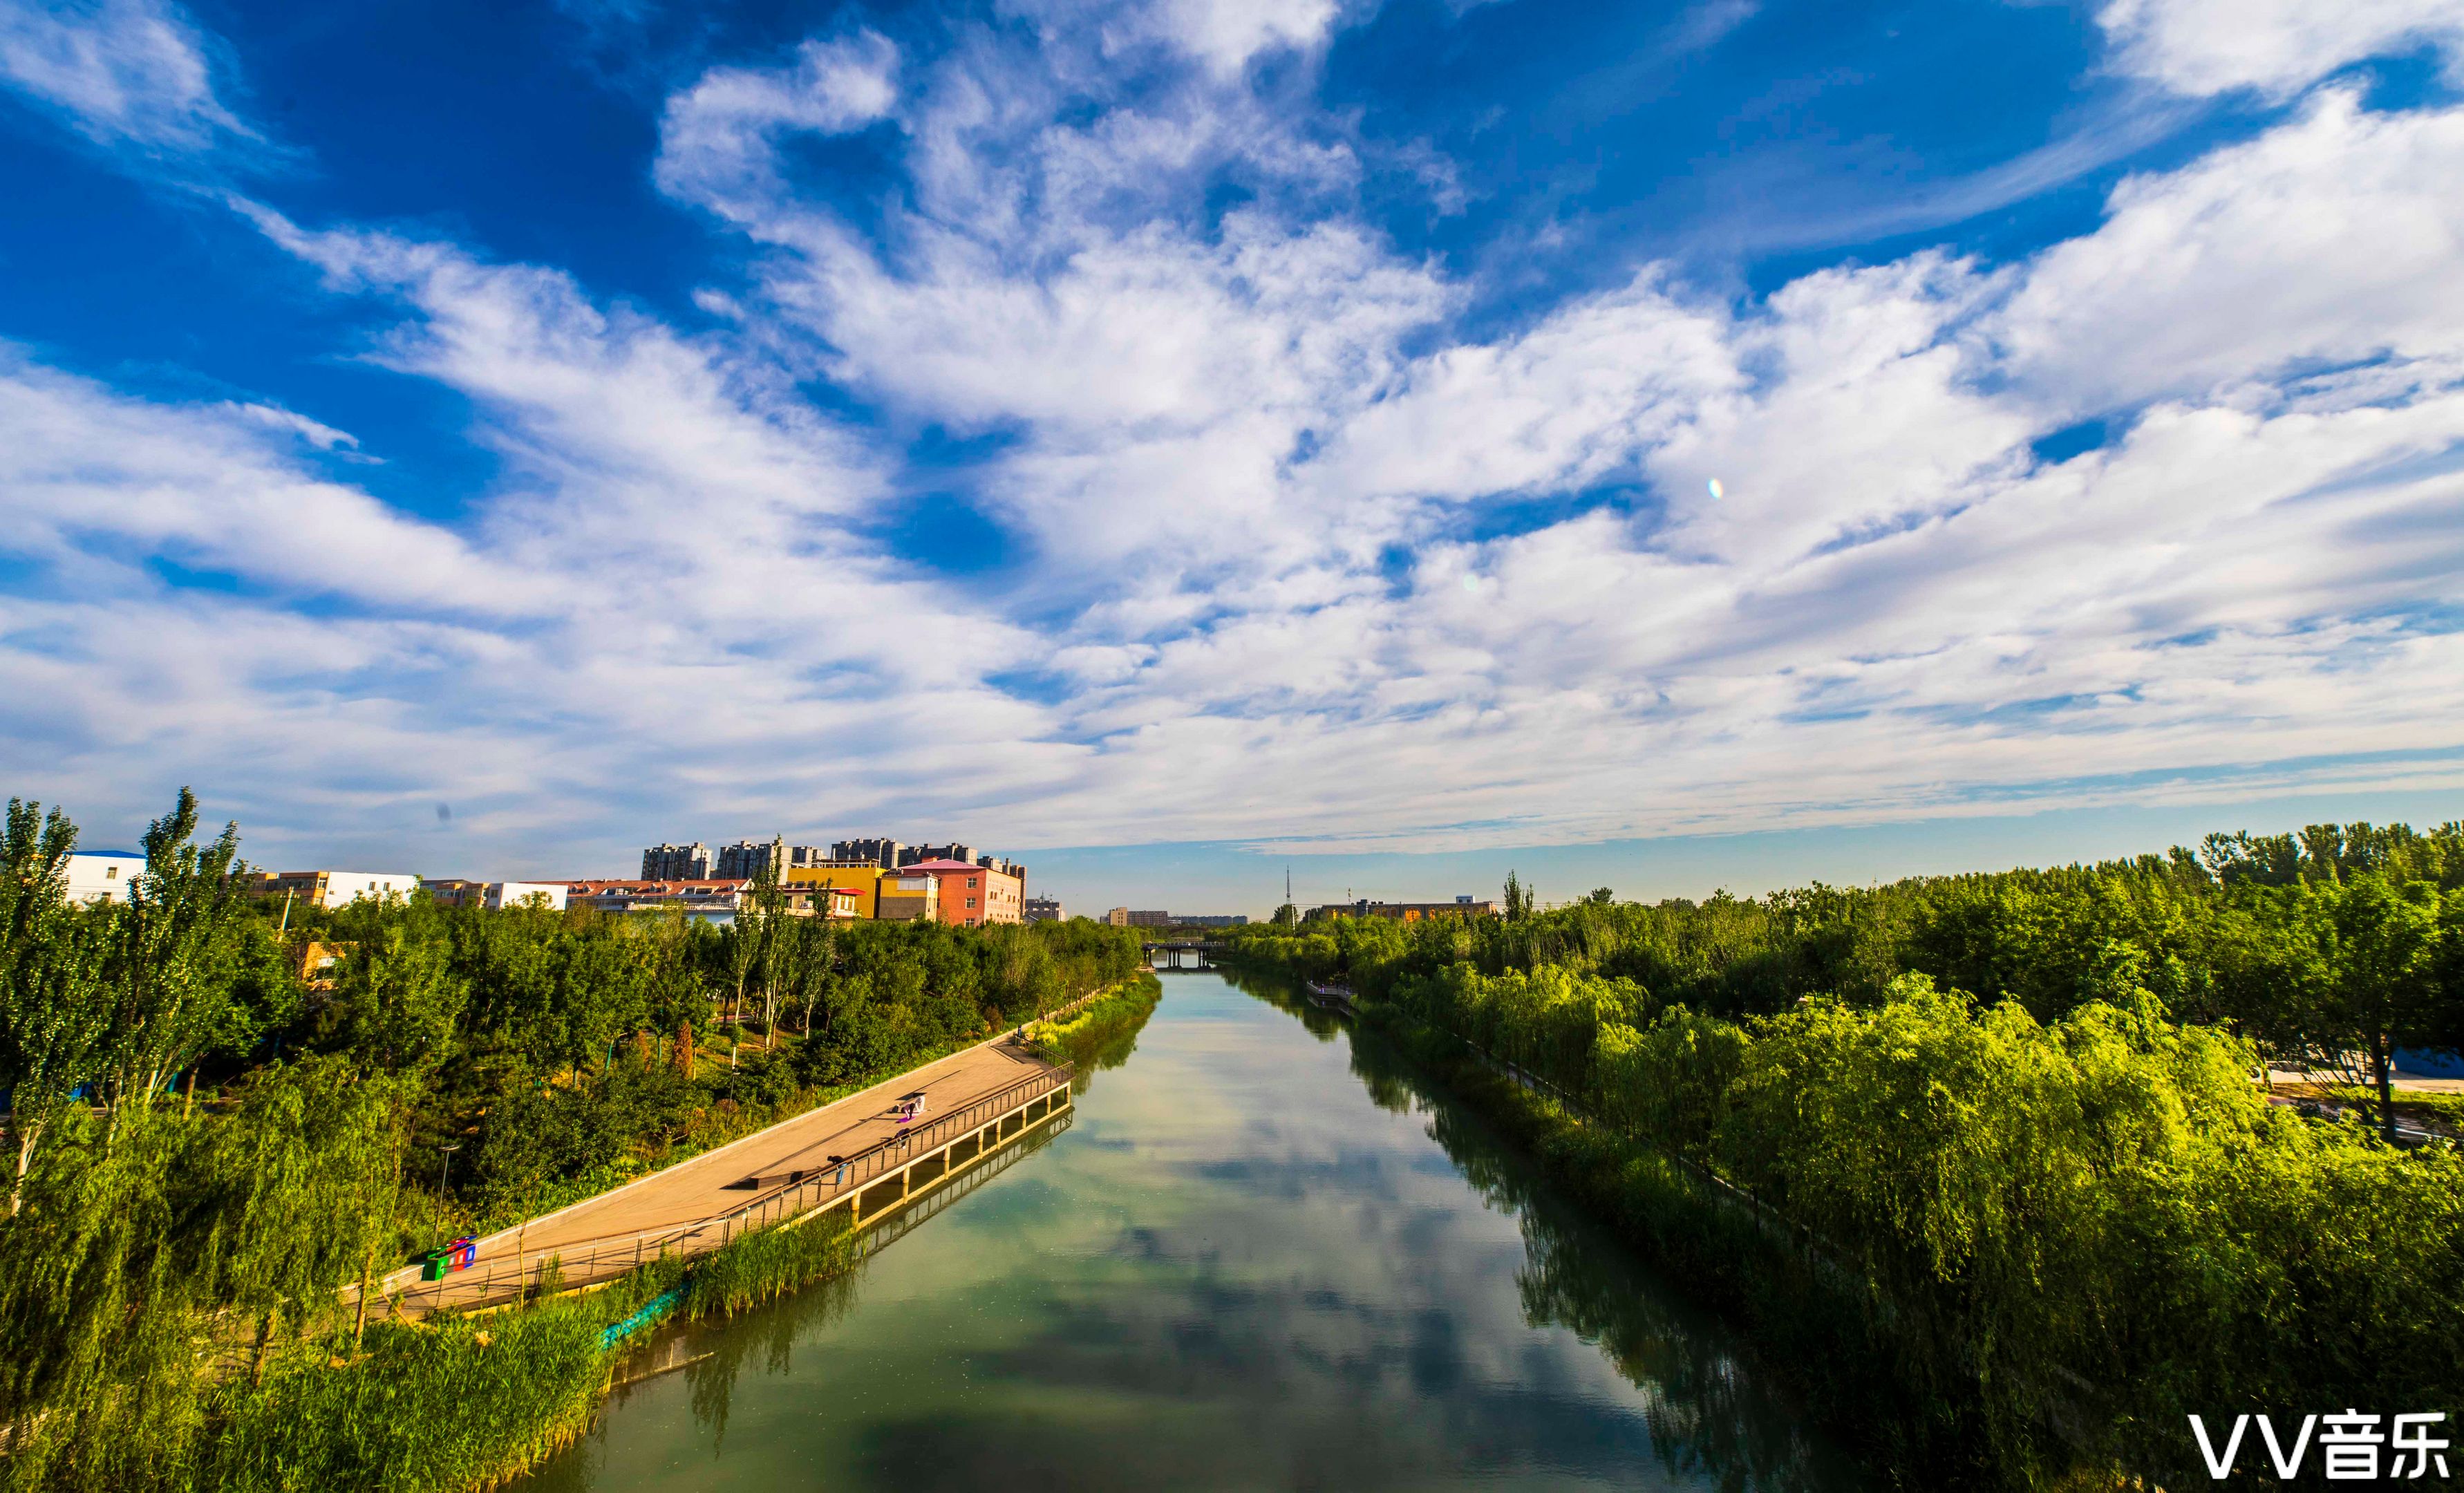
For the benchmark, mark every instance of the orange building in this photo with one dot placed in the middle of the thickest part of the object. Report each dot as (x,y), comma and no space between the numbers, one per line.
(973,895)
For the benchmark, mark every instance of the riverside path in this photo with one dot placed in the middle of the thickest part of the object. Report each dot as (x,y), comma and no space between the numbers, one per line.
(851,1153)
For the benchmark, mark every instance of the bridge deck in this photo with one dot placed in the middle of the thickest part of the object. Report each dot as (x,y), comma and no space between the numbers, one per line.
(786,1169)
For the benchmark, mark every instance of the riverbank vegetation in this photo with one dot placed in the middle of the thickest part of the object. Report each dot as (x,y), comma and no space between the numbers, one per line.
(1993,1153)
(214,1133)
(1099,1034)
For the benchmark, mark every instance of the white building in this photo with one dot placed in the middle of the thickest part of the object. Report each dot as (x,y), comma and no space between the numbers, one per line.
(335,888)
(456,892)
(513,893)
(102,875)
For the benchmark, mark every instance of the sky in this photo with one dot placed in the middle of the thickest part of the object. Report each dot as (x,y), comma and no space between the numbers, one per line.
(1728,443)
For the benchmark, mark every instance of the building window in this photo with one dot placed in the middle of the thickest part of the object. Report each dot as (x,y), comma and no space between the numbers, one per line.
(971,902)
(971,881)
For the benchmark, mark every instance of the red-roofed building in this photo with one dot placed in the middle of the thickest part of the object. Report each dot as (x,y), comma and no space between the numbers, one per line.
(973,895)
(715,898)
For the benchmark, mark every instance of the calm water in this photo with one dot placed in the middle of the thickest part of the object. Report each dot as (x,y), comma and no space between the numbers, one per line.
(1264,1254)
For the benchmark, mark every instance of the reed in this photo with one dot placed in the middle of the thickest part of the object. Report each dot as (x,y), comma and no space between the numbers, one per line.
(764,1265)
(425,1409)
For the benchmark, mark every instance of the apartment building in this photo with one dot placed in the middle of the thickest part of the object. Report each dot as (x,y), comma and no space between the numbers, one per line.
(744,860)
(676,863)
(883,853)
(1041,909)
(919,854)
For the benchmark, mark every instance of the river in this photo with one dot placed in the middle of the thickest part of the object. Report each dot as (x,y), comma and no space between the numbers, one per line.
(1260,1252)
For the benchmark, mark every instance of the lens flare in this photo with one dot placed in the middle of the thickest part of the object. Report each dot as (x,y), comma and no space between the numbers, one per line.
(1471,582)
(1717,491)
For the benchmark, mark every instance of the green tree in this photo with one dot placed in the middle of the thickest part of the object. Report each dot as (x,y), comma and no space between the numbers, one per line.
(55,1006)
(2382,985)
(55,1025)
(396,999)
(178,956)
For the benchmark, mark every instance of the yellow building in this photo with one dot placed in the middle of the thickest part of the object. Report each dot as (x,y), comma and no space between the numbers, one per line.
(862,877)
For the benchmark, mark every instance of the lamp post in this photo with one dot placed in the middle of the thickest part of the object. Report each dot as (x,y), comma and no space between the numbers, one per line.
(446,1169)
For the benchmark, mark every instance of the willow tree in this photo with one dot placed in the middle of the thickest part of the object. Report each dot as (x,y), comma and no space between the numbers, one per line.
(54,1015)
(177,961)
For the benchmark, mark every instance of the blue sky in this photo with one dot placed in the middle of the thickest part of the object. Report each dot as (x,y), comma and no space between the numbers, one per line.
(1661,445)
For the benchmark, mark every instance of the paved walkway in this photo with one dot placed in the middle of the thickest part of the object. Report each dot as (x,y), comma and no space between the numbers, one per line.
(2402,1083)
(706,1186)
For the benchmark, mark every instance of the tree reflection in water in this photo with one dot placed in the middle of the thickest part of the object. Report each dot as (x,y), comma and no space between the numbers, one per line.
(1710,1413)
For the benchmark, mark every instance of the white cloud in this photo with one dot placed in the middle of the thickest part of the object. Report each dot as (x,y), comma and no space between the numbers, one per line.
(323,437)
(97,482)
(719,138)
(1227,33)
(2332,239)
(1259,457)
(123,72)
(2276,47)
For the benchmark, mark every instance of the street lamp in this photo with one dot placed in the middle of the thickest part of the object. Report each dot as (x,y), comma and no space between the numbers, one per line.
(442,1171)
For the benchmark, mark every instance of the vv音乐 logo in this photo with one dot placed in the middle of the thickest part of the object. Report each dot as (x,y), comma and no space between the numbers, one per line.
(2350,1445)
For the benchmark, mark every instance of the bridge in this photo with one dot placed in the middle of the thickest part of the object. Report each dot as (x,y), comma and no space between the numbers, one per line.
(1182,954)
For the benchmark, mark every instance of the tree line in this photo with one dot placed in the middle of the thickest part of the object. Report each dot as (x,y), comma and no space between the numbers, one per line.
(2008,1129)
(2333,948)
(211,1140)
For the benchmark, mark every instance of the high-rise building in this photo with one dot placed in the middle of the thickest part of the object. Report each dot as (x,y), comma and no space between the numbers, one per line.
(883,853)
(919,854)
(676,863)
(808,855)
(1043,909)
(1003,864)
(744,860)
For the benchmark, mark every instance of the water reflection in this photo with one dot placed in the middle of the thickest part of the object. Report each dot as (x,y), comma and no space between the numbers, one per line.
(1252,1261)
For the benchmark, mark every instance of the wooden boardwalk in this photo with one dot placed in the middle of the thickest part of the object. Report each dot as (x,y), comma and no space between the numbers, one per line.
(855,1154)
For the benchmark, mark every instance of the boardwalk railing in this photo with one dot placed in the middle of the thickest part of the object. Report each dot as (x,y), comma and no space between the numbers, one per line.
(872,1181)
